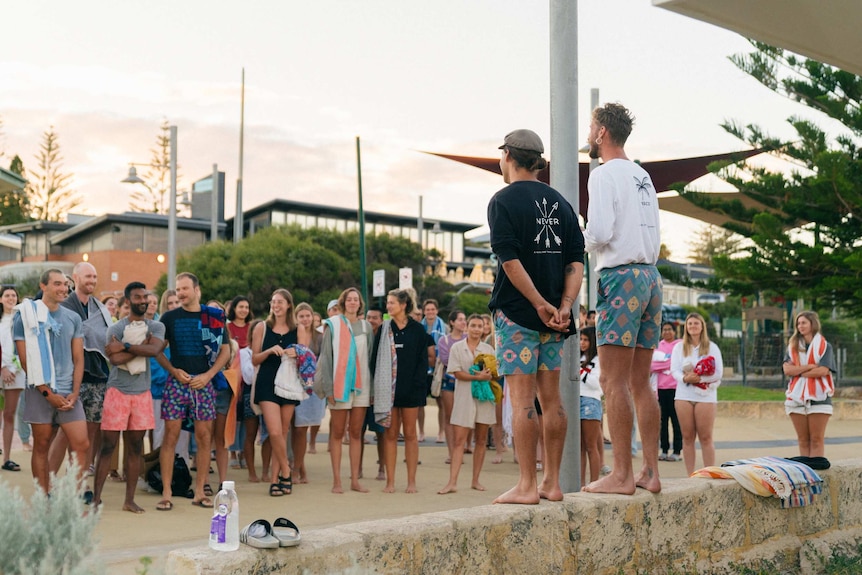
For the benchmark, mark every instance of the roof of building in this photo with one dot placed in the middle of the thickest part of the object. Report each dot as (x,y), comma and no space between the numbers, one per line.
(10,181)
(137,218)
(35,226)
(349,214)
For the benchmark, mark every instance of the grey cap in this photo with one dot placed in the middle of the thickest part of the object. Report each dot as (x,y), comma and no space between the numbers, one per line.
(524,140)
(332,304)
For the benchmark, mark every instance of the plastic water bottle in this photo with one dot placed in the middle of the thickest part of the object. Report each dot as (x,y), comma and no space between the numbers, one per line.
(224,529)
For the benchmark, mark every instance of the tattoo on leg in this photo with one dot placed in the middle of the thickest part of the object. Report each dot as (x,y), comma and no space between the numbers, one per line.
(531,412)
(561,413)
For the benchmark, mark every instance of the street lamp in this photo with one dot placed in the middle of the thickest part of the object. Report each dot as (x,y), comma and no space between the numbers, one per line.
(133,178)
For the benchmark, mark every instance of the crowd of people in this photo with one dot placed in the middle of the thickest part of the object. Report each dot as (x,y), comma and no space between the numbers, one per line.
(212,379)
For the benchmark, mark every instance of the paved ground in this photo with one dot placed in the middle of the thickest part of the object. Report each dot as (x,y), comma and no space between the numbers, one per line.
(126,537)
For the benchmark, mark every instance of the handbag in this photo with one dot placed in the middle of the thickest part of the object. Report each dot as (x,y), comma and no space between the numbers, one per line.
(437,379)
(288,384)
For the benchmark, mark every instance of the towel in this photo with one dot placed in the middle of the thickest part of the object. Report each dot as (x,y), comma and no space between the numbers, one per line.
(385,374)
(802,389)
(40,359)
(135,333)
(346,376)
(94,326)
(795,484)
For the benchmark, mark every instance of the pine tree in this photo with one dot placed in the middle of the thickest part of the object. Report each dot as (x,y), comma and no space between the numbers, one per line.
(711,241)
(154,196)
(806,242)
(49,193)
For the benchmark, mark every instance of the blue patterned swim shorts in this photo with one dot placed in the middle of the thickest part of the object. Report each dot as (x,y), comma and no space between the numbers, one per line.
(628,311)
(523,351)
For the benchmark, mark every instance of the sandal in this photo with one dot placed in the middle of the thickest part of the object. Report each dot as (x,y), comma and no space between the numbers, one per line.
(205,502)
(164,505)
(662,456)
(275,490)
(11,466)
(286,532)
(258,534)
(208,491)
(286,484)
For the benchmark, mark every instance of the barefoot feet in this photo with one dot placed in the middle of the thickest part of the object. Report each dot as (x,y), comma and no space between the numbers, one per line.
(519,497)
(613,483)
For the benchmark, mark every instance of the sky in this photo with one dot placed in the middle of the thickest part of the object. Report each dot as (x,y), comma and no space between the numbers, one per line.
(450,76)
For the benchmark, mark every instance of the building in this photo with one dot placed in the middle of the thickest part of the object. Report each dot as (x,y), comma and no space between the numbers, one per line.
(445,236)
(123,247)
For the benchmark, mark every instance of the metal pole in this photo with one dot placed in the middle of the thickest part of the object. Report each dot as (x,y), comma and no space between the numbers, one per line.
(590,272)
(172,214)
(214,206)
(420,225)
(564,177)
(362,266)
(237,218)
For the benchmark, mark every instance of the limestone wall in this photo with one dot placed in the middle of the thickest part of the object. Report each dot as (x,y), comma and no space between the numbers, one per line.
(693,526)
(842,409)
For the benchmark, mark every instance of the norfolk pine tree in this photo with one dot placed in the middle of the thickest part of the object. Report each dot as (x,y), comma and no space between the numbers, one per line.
(153,199)
(49,193)
(805,244)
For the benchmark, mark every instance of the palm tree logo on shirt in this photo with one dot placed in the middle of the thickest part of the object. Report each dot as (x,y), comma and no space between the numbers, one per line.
(546,220)
(642,188)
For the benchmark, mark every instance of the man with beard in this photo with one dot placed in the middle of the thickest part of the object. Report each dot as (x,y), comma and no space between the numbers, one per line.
(96,318)
(128,405)
(623,235)
(199,350)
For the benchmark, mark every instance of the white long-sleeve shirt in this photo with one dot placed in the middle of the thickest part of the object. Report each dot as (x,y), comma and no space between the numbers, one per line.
(687,392)
(622,217)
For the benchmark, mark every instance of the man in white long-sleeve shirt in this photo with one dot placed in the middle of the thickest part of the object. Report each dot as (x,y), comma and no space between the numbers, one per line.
(623,236)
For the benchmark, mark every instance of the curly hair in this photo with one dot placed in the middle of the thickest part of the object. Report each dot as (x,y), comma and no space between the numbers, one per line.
(617,120)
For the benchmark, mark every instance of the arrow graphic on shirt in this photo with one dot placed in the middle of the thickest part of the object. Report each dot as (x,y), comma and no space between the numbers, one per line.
(546,229)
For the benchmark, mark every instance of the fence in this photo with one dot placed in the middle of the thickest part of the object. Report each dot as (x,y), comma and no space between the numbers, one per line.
(763,355)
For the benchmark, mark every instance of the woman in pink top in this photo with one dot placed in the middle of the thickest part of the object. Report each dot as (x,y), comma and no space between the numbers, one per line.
(666,384)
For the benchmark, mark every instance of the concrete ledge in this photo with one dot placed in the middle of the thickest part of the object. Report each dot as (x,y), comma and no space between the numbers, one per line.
(842,409)
(694,525)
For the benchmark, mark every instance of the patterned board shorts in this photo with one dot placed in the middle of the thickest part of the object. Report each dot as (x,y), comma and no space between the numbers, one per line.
(180,401)
(126,412)
(523,351)
(629,306)
(92,397)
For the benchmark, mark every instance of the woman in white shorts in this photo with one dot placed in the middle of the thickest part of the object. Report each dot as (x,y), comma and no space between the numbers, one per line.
(696,395)
(344,378)
(11,375)
(467,411)
(810,364)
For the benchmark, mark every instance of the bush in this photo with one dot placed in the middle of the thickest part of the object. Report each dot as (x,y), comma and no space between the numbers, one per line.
(49,536)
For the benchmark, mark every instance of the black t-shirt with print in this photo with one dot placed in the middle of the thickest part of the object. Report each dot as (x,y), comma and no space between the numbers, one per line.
(532,222)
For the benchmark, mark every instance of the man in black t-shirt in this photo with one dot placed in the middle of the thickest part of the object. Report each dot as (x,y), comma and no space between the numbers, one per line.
(540,249)
(194,333)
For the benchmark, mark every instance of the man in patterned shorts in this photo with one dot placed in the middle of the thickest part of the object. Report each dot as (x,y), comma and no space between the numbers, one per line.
(540,249)
(199,350)
(623,235)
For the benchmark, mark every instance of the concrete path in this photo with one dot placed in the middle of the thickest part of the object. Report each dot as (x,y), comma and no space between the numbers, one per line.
(125,538)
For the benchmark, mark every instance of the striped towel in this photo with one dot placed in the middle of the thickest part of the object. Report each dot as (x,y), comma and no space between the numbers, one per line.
(794,483)
(38,324)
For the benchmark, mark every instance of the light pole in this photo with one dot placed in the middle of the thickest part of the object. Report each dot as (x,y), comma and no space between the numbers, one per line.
(133,178)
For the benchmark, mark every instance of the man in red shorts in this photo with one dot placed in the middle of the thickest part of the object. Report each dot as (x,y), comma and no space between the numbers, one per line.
(128,405)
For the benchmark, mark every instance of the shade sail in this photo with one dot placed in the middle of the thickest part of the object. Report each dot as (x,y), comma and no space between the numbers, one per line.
(663,173)
(825,30)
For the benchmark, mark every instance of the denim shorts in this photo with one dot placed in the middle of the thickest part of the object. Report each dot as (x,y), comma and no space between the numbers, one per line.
(591,408)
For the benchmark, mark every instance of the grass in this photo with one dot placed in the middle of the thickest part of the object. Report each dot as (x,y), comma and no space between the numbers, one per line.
(739,393)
